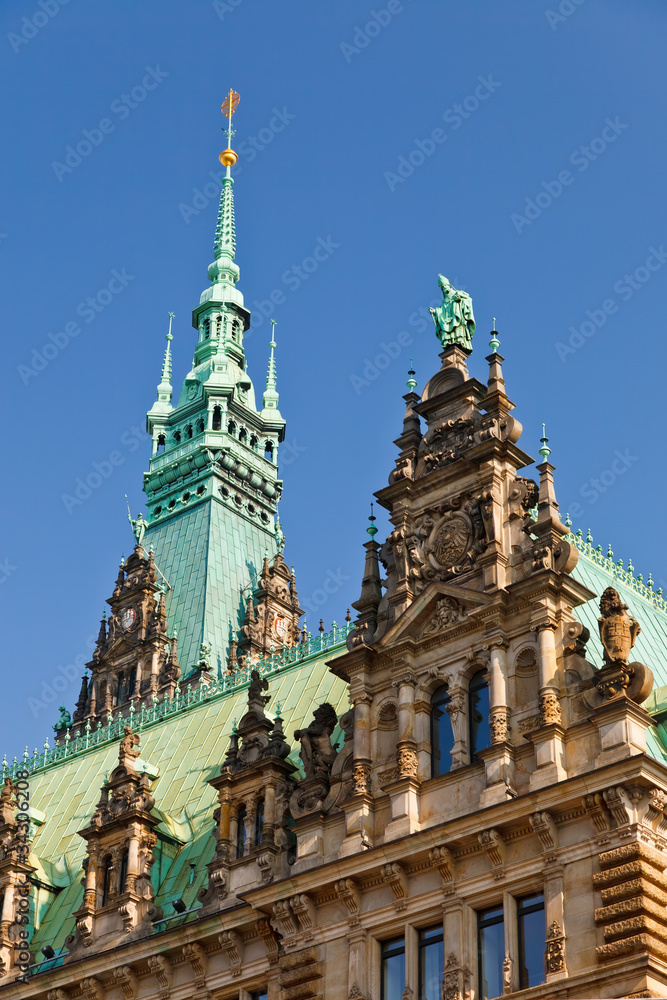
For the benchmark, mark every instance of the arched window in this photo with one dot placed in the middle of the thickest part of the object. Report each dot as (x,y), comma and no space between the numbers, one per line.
(188,430)
(217,417)
(259,822)
(268,451)
(240,832)
(200,426)
(121,689)
(123,872)
(243,436)
(177,437)
(231,428)
(478,714)
(107,871)
(160,443)
(218,326)
(254,443)
(442,735)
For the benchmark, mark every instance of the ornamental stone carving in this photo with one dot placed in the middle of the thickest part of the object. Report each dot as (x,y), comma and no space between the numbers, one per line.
(554,956)
(498,725)
(618,633)
(550,713)
(408,762)
(448,611)
(446,541)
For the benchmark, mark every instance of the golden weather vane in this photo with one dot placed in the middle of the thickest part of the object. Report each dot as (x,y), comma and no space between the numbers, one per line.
(228,157)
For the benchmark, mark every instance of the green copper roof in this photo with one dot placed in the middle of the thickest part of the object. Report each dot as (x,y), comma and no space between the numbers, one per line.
(597,572)
(186,748)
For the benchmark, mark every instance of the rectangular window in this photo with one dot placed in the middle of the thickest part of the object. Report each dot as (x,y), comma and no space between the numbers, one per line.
(393,969)
(532,943)
(431,963)
(490,952)
(259,995)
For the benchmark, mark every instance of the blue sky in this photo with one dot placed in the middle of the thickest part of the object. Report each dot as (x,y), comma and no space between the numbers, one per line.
(517,148)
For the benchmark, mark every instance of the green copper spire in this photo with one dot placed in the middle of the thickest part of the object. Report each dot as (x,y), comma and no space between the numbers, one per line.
(372,530)
(412,382)
(271,397)
(212,484)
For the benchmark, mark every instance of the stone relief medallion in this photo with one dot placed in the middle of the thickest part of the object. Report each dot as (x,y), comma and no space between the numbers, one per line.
(448,611)
(451,540)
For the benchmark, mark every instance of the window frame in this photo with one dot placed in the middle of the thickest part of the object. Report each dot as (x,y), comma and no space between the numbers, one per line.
(399,944)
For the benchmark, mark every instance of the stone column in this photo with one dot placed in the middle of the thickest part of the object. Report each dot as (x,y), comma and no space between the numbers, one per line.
(407,744)
(358,963)
(269,812)
(498,691)
(362,742)
(553,912)
(233,828)
(547,665)
(548,738)
(132,861)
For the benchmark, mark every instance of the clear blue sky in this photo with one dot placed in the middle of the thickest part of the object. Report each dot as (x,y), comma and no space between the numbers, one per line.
(541,190)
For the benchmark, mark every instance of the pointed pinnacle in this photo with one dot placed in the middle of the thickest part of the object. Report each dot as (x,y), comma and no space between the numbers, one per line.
(545,450)
(411,383)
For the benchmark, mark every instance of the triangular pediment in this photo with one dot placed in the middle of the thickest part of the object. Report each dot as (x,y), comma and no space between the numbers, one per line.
(440,607)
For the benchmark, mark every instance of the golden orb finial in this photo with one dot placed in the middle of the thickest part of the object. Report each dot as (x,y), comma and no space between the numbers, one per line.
(228,157)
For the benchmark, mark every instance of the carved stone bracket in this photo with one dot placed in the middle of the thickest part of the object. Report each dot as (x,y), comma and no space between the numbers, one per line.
(394,876)
(128,982)
(232,945)
(92,989)
(348,890)
(304,909)
(443,859)
(196,956)
(161,968)
(544,826)
(635,807)
(266,932)
(494,846)
(597,810)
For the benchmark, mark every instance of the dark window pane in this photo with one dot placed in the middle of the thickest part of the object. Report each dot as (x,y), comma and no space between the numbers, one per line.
(490,952)
(431,962)
(530,913)
(442,736)
(393,969)
(480,734)
(240,832)
(260,995)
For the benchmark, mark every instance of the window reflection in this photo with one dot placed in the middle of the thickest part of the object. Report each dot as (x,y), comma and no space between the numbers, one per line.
(431,963)
(442,735)
(490,952)
(532,940)
(393,969)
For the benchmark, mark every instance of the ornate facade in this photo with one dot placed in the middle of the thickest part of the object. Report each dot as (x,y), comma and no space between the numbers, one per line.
(459,795)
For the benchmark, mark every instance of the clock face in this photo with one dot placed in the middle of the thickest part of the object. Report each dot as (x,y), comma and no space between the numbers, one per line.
(280,627)
(128,618)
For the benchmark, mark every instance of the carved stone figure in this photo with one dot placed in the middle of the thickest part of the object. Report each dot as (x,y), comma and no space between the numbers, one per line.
(257,700)
(618,630)
(507,974)
(128,752)
(454,320)
(317,753)
(139,525)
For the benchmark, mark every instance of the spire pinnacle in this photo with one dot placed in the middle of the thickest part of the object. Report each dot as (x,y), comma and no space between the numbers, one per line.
(271,397)
(372,530)
(412,382)
(224,245)
(164,390)
(545,450)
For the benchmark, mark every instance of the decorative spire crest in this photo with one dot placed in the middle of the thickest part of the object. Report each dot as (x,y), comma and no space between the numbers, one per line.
(270,398)
(225,233)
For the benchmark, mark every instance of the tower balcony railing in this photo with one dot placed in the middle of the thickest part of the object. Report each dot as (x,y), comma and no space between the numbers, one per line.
(189,695)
